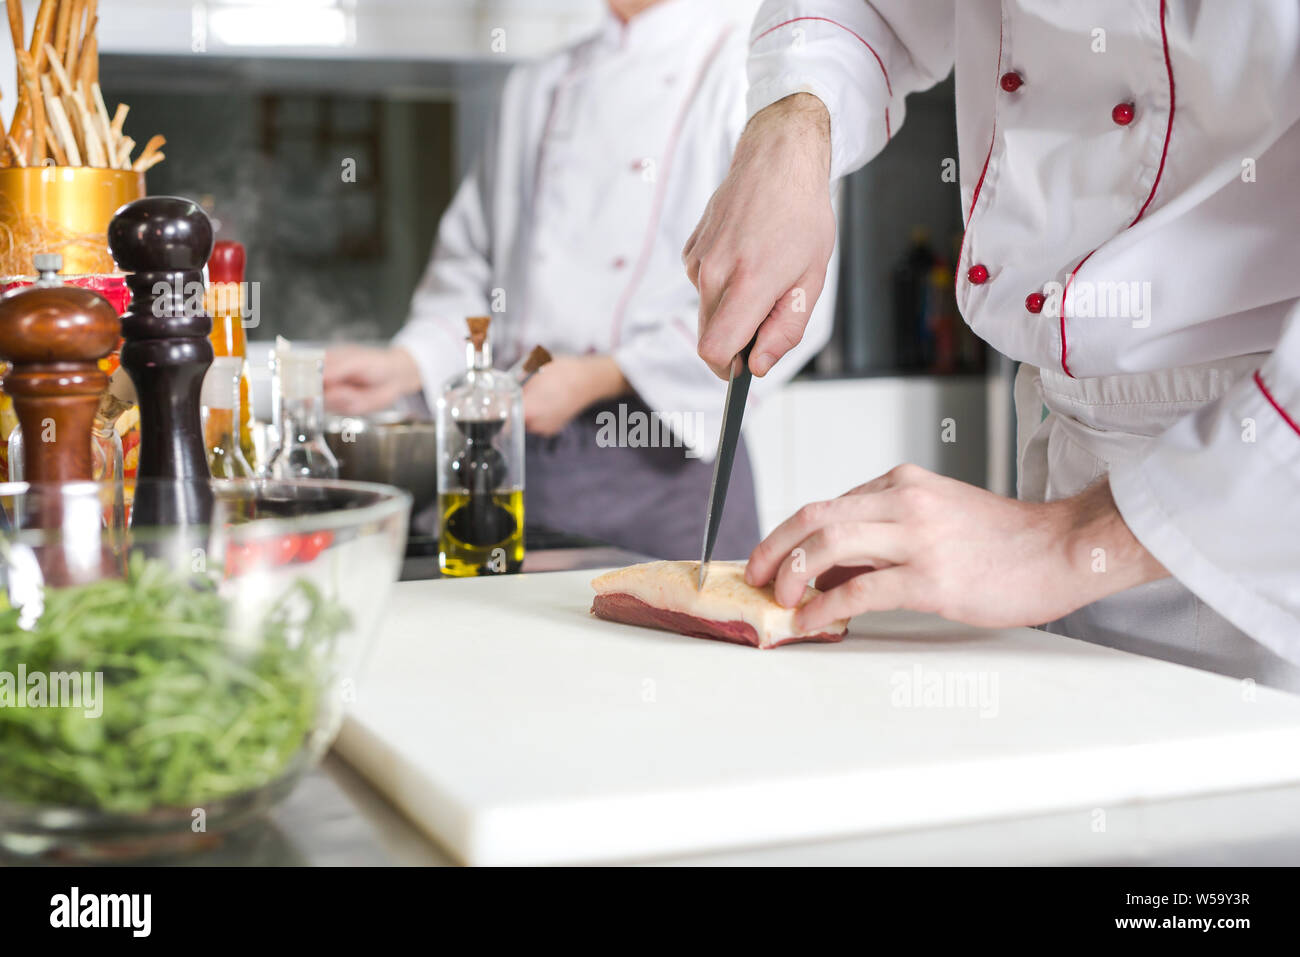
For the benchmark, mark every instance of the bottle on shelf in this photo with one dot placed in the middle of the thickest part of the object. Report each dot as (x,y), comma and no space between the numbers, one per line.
(481,465)
(227,303)
(913,339)
(221,406)
(302,452)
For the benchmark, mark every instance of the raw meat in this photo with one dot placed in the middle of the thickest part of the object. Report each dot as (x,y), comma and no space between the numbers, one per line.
(664,595)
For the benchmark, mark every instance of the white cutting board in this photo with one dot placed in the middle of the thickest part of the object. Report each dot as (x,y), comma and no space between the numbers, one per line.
(515,728)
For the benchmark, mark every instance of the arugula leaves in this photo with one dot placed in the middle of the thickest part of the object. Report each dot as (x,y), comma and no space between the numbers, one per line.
(189,715)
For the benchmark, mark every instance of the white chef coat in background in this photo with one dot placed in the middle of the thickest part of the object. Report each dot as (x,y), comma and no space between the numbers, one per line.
(574,218)
(1194,192)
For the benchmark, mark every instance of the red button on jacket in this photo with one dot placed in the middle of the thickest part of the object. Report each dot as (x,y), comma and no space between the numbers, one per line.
(1123,114)
(1011,81)
(978,275)
(1034,302)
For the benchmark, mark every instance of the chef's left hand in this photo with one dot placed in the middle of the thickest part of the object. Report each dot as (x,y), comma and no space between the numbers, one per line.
(915,540)
(565,386)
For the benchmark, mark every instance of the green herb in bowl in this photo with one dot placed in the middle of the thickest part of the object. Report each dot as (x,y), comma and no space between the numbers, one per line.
(191,712)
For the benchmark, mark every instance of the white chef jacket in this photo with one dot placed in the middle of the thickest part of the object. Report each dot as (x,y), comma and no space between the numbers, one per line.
(570,228)
(1153,142)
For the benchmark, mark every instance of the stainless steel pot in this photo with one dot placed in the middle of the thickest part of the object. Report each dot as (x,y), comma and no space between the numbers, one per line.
(394,450)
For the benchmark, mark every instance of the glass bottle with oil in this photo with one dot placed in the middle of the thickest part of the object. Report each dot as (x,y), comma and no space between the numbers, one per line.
(481,466)
(219,405)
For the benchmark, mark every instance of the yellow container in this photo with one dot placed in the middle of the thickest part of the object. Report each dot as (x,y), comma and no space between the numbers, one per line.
(62,209)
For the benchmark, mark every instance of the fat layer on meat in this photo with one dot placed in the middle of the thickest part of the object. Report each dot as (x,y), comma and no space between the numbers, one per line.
(727,608)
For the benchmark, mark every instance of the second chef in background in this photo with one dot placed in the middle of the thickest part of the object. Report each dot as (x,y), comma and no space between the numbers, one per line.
(568,231)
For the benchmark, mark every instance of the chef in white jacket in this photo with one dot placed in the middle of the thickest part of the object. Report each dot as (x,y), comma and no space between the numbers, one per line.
(568,232)
(1130,180)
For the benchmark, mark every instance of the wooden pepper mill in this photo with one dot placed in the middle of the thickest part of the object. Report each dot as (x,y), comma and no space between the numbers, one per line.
(52,339)
(162,243)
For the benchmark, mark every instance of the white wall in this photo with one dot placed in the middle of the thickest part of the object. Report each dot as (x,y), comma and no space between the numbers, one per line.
(817,439)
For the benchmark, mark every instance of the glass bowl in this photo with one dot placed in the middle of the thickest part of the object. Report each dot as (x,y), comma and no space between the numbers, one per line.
(162,685)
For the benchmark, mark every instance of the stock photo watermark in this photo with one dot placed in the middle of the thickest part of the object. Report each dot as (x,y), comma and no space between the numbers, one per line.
(97,911)
(933,688)
(1123,299)
(177,300)
(73,690)
(636,429)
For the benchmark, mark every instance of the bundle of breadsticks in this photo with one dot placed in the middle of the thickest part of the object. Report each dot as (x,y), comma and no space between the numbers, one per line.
(61,115)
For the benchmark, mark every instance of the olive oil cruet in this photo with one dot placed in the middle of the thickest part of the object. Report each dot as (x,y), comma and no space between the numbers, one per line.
(481,465)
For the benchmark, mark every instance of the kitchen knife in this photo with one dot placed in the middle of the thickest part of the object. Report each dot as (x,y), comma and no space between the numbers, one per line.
(733,411)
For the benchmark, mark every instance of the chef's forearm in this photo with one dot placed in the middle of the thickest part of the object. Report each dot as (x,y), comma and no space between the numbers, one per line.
(406,371)
(605,379)
(1101,549)
(800,121)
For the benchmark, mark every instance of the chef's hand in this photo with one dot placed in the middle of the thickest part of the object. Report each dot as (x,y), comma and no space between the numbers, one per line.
(565,386)
(759,255)
(915,540)
(362,379)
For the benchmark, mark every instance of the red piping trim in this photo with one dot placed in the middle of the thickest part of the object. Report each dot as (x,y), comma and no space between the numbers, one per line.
(647,247)
(979,184)
(889,87)
(1259,381)
(1160,170)
(1169,129)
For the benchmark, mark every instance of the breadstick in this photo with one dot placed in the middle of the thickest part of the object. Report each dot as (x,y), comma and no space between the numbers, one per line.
(15,11)
(70,111)
(52,141)
(41,35)
(94,149)
(105,126)
(92,23)
(88,58)
(53,129)
(119,117)
(27,73)
(16,150)
(156,142)
(62,27)
(74,36)
(60,74)
(124,149)
(17,34)
(60,120)
(148,162)
(154,145)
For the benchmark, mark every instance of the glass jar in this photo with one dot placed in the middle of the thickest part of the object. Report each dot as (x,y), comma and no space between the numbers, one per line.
(302,452)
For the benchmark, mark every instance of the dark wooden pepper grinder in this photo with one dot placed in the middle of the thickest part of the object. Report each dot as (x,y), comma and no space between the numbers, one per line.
(162,243)
(52,339)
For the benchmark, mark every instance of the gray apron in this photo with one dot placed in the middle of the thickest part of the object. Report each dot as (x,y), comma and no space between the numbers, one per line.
(650,500)
(1092,424)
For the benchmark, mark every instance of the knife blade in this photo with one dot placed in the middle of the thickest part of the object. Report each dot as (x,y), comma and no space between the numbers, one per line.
(733,411)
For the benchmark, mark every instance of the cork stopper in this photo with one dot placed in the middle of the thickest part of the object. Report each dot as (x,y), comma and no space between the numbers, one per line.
(478,329)
(536,359)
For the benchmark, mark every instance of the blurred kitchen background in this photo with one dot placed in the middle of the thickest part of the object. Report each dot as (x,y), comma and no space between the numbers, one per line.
(263,102)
